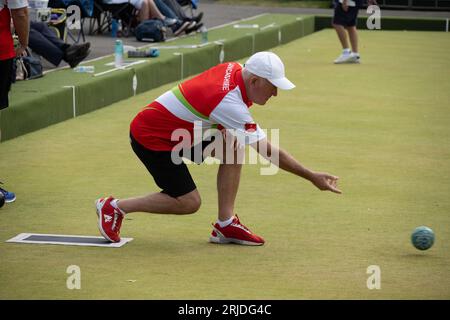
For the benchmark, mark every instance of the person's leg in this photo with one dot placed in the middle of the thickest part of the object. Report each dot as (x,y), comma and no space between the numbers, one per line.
(6,69)
(176,8)
(339,22)
(353,35)
(144,11)
(43,29)
(228,228)
(342,35)
(228,178)
(170,18)
(44,47)
(179,195)
(165,10)
(162,203)
(154,11)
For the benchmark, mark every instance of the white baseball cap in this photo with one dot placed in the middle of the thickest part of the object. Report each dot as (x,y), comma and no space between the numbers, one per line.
(269,66)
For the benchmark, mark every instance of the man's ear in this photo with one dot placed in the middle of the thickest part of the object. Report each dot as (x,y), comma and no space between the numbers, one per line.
(254,80)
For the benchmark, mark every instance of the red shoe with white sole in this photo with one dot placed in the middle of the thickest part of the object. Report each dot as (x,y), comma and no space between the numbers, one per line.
(109,219)
(235,232)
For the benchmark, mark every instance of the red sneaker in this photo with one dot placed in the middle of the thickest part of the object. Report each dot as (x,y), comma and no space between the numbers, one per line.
(109,219)
(235,232)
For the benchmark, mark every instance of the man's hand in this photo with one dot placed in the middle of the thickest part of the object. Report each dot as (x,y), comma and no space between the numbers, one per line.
(21,51)
(286,162)
(325,182)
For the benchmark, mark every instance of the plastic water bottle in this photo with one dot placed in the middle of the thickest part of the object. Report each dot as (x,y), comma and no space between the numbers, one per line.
(84,69)
(114,28)
(204,33)
(119,28)
(118,54)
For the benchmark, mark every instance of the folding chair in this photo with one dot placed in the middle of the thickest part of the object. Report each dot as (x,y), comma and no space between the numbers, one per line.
(104,13)
(86,10)
(58,23)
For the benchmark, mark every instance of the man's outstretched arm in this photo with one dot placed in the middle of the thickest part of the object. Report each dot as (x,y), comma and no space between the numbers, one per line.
(286,162)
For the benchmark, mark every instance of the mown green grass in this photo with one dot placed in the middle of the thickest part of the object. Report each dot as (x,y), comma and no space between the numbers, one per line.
(382,126)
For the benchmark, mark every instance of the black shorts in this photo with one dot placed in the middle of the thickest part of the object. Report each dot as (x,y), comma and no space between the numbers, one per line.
(173,179)
(6,78)
(345,18)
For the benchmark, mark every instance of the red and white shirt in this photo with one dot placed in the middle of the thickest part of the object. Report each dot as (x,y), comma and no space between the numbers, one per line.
(216,97)
(6,40)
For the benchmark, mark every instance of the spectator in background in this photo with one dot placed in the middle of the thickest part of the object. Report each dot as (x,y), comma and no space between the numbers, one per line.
(45,43)
(178,14)
(18,11)
(178,10)
(149,9)
(344,22)
(157,9)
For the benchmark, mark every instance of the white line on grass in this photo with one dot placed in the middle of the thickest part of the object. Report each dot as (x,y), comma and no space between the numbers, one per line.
(119,68)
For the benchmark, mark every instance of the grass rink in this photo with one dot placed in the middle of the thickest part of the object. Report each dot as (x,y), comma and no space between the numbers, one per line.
(382,126)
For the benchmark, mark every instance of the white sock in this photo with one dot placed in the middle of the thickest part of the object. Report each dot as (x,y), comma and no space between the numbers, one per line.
(114,204)
(225,223)
(346,51)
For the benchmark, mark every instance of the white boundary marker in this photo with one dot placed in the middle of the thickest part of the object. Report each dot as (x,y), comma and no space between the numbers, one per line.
(74,103)
(253,41)
(222,50)
(182,63)
(21,238)
(303,25)
(446,24)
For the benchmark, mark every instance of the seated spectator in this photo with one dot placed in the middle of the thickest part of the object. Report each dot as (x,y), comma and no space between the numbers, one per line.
(178,10)
(44,42)
(173,9)
(161,9)
(156,9)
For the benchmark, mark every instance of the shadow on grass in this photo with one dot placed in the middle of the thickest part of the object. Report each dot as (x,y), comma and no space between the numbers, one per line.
(420,255)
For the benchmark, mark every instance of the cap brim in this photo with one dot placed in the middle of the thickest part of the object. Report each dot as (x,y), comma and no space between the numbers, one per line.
(282,83)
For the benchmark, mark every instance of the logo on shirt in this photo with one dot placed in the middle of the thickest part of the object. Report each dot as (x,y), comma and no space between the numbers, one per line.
(250,127)
(227,77)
